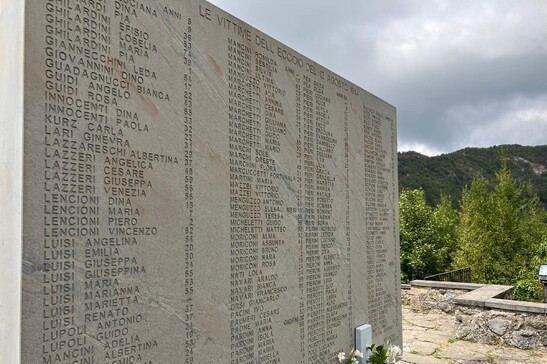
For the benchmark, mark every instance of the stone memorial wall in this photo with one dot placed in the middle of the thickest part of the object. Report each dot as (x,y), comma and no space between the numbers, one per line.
(195,190)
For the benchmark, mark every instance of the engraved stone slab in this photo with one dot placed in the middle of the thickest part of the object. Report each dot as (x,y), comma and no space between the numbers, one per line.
(194,188)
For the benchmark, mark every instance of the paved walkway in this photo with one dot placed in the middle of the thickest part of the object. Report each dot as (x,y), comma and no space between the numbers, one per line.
(430,339)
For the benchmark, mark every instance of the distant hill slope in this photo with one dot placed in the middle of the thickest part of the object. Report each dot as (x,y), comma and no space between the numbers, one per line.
(449,173)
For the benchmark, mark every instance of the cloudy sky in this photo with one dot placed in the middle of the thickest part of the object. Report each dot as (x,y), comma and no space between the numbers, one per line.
(461,73)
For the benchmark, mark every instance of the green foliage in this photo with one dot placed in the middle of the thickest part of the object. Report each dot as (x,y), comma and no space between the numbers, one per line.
(490,357)
(528,287)
(500,230)
(428,235)
(378,355)
(445,224)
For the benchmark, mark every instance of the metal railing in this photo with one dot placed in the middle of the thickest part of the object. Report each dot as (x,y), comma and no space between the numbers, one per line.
(462,275)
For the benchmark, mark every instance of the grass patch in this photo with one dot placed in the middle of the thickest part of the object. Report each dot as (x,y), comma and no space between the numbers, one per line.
(437,353)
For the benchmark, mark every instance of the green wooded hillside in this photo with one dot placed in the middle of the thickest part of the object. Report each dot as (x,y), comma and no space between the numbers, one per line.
(449,173)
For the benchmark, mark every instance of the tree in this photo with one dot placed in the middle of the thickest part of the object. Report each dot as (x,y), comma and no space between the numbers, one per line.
(428,236)
(527,286)
(445,222)
(500,229)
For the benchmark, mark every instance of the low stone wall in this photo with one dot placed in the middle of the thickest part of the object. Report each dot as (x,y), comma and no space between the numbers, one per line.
(495,327)
(427,299)
(405,290)
(483,313)
(426,296)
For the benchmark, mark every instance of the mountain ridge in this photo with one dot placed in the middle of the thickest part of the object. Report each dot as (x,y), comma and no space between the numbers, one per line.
(448,173)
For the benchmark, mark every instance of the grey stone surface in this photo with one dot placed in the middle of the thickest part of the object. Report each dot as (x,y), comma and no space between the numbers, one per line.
(419,359)
(498,326)
(521,330)
(523,339)
(193,186)
(520,306)
(479,296)
(445,307)
(446,285)
(425,347)
(459,351)
(427,299)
